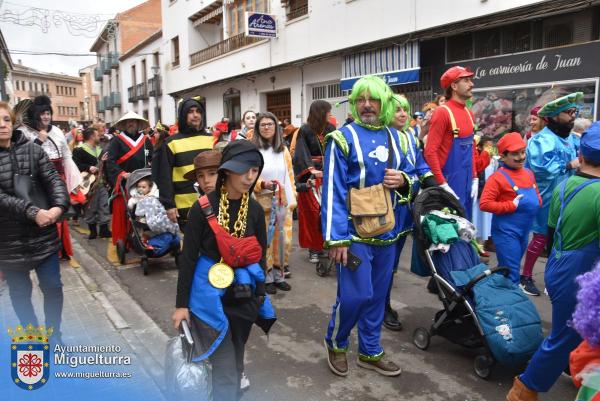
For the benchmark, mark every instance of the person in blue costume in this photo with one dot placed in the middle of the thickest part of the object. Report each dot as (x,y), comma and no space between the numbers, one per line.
(223,318)
(511,195)
(574,227)
(357,156)
(552,157)
(422,177)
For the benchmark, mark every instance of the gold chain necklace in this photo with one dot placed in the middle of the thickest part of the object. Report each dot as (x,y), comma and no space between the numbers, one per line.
(239,227)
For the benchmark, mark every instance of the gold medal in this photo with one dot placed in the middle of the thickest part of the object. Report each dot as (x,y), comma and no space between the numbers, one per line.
(220,275)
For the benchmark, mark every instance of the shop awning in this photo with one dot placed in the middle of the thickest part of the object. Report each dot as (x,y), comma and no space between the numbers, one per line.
(397,65)
(211,14)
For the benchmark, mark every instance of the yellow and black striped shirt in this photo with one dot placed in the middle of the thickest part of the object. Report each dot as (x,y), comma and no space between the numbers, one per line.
(171,161)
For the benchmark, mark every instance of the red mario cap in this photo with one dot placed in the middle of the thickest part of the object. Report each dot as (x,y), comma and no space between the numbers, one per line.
(511,142)
(454,73)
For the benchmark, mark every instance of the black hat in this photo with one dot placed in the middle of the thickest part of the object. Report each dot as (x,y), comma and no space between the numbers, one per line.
(238,157)
(39,105)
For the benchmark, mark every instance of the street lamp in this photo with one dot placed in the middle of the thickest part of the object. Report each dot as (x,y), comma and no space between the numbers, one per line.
(155,71)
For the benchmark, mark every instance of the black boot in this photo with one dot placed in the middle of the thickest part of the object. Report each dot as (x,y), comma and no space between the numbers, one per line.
(104,231)
(93,231)
(390,319)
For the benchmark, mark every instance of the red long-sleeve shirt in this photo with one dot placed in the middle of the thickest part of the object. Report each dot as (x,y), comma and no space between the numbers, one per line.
(440,136)
(498,195)
(482,160)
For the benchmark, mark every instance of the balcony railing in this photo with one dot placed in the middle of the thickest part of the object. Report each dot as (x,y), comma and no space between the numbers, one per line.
(141,92)
(297,12)
(116,99)
(105,65)
(131,94)
(98,73)
(100,106)
(114,59)
(223,47)
(154,86)
(108,102)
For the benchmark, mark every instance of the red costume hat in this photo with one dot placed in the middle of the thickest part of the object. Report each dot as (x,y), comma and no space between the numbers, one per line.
(511,142)
(454,73)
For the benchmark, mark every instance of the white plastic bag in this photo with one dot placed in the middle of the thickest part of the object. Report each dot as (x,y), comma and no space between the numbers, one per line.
(186,380)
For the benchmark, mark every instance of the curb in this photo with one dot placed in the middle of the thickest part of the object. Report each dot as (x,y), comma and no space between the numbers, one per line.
(143,335)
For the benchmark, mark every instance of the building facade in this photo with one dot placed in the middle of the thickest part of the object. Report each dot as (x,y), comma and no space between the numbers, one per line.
(65,92)
(321,48)
(91,90)
(6,67)
(142,71)
(118,37)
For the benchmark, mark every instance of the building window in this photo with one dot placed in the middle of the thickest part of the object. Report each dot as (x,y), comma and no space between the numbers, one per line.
(175,51)
(558,34)
(296,9)
(487,43)
(319,92)
(17,85)
(459,47)
(236,13)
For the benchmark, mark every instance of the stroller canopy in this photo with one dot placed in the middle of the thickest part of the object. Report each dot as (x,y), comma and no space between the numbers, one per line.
(136,176)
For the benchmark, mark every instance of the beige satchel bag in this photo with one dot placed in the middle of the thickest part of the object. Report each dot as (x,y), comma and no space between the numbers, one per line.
(371,208)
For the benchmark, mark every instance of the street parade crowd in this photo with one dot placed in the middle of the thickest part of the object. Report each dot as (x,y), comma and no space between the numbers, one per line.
(223,201)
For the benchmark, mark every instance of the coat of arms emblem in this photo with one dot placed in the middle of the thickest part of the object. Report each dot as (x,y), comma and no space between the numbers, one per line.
(30,356)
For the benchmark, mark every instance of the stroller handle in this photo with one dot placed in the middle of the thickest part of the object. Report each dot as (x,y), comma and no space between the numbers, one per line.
(488,272)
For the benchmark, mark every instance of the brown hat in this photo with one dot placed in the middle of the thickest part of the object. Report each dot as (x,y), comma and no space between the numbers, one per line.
(204,159)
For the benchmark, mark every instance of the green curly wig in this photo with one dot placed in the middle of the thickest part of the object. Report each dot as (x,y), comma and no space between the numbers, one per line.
(377,89)
(402,101)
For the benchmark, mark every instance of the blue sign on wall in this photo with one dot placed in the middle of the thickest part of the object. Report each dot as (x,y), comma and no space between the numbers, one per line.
(261,25)
(391,78)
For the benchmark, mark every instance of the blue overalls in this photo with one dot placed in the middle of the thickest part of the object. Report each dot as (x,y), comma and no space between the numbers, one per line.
(458,171)
(563,267)
(510,231)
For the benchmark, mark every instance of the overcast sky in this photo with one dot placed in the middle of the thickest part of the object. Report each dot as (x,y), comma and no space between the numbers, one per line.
(58,38)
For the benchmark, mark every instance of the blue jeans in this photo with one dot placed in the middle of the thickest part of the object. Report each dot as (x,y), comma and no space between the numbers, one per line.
(19,287)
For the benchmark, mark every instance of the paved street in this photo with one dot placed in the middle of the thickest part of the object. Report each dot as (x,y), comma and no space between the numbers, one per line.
(290,364)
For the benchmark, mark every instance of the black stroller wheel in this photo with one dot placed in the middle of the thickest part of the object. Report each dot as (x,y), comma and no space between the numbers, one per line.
(121,251)
(421,338)
(483,366)
(144,265)
(322,270)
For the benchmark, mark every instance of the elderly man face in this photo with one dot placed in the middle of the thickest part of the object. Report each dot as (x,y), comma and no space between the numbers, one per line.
(368,108)
(132,126)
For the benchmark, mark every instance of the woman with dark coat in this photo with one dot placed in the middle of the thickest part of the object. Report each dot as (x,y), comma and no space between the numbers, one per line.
(308,165)
(28,233)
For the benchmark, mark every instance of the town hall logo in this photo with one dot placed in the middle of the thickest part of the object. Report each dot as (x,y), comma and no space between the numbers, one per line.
(30,356)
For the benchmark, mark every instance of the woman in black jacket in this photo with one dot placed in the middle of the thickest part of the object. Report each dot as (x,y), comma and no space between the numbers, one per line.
(28,234)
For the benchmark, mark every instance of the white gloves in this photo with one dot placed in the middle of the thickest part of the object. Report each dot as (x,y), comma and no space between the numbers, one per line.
(517,199)
(475,188)
(447,188)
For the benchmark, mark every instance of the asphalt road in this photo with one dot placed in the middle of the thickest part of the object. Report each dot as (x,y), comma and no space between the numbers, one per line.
(290,364)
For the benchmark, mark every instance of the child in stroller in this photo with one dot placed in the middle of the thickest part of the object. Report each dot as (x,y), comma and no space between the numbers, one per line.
(146,206)
(152,234)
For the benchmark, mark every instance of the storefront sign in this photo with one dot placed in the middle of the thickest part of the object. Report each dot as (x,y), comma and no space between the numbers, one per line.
(557,64)
(392,78)
(261,25)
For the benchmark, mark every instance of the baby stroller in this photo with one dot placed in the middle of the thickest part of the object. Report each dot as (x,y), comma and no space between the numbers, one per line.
(482,308)
(147,249)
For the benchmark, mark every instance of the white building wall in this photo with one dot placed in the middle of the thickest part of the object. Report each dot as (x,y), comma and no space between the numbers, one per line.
(165,101)
(328,27)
